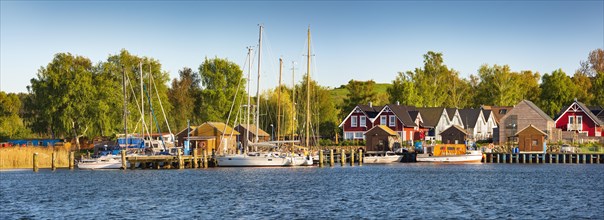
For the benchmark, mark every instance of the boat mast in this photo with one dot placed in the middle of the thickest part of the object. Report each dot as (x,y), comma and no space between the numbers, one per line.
(140,64)
(258,85)
(279,99)
(306,144)
(293,100)
(247,119)
(125,106)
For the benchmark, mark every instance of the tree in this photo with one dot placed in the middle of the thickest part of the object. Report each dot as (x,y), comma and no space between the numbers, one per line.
(584,87)
(63,93)
(500,86)
(185,96)
(403,90)
(359,92)
(324,115)
(11,124)
(594,69)
(222,80)
(557,90)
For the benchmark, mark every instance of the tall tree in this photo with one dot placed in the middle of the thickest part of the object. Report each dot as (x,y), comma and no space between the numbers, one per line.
(185,96)
(557,90)
(324,115)
(500,86)
(403,90)
(359,92)
(584,87)
(222,80)
(64,94)
(11,124)
(594,69)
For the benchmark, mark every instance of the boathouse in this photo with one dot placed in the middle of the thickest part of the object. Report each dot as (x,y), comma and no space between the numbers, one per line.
(381,138)
(454,135)
(214,136)
(531,139)
(525,113)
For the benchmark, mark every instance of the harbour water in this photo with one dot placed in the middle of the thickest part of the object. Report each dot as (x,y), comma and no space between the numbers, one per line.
(416,191)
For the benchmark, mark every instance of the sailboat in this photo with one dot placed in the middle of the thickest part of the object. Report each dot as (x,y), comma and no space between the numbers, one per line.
(256,159)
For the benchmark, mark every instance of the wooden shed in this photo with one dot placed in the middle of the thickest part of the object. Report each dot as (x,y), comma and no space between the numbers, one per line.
(380,138)
(217,136)
(454,135)
(531,138)
(244,131)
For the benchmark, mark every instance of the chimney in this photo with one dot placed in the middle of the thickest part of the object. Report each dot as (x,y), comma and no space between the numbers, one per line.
(370,104)
(398,103)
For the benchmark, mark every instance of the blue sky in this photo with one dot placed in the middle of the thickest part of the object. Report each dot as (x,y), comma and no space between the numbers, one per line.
(358,40)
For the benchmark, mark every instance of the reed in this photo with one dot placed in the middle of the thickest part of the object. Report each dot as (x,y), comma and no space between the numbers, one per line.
(22,157)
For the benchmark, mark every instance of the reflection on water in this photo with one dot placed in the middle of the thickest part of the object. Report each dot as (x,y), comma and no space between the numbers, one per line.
(476,191)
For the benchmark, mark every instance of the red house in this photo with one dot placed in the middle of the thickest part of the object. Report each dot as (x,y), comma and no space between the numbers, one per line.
(578,117)
(359,121)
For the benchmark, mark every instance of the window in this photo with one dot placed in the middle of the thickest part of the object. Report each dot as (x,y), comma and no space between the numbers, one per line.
(571,119)
(363,120)
(358,135)
(392,121)
(383,120)
(353,121)
(503,111)
(348,135)
(579,122)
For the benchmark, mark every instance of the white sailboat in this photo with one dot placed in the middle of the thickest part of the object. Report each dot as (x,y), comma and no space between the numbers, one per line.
(256,159)
(382,157)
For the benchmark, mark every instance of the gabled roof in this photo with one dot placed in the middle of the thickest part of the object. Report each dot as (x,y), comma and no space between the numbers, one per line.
(252,129)
(457,127)
(498,111)
(402,113)
(431,115)
(469,116)
(530,126)
(486,114)
(451,113)
(370,111)
(184,131)
(414,115)
(219,126)
(384,128)
(537,109)
(601,115)
(585,110)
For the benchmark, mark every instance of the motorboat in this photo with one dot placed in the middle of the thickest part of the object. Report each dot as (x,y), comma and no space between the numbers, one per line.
(255,159)
(382,157)
(450,153)
(101,162)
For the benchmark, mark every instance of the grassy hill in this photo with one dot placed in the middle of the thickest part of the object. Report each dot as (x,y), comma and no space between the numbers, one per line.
(339,94)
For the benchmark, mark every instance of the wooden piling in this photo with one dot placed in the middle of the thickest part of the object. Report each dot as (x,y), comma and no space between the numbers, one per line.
(181,163)
(331,161)
(517,158)
(320,158)
(584,158)
(598,159)
(498,158)
(351,158)
(195,159)
(361,157)
(35,162)
(124,164)
(342,157)
(523,158)
(132,165)
(53,162)
(71,160)
(205,160)
(577,156)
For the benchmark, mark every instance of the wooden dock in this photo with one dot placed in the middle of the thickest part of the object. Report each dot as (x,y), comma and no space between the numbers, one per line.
(541,158)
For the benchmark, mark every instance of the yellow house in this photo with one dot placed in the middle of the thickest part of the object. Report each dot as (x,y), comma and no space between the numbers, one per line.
(215,136)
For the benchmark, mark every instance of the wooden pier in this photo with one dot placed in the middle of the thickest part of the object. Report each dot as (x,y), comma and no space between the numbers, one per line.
(541,158)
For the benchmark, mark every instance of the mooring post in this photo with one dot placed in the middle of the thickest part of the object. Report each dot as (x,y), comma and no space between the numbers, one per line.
(352,158)
(331,162)
(361,157)
(194,164)
(498,158)
(584,158)
(523,158)
(71,160)
(205,160)
(124,160)
(53,162)
(320,158)
(181,163)
(598,159)
(577,156)
(35,162)
(343,157)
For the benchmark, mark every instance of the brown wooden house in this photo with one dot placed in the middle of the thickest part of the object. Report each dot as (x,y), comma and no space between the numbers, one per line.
(531,138)
(381,138)
(249,134)
(215,136)
(454,135)
(523,114)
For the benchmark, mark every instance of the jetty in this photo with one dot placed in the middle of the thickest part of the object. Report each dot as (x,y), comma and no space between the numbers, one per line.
(542,158)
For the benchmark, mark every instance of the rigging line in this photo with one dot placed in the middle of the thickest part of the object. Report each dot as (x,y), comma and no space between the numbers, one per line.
(137,105)
(230,111)
(160,105)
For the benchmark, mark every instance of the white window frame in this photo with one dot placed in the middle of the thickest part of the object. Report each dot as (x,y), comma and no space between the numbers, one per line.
(392,121)
(383,120)
(579,122)
(362,121)
(348,135)
(353,121)
(358,135)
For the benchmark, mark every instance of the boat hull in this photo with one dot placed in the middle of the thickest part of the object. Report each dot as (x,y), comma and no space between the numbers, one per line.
(100,163)
(466,158)
(382,159)
(253,161)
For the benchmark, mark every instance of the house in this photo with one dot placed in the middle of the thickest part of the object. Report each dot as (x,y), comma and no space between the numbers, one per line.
(491,123)
(454,134)
(454,117)
(397,118)
(381,138)
(359,121)
(214,136)
(475,124)
(249,133)
(498,112)
(523,114)
(531,138)
(579,118)
(436,120)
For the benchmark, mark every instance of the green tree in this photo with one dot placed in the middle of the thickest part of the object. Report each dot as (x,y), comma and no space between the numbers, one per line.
(557,90)
(594,69)
(185,96)
(11,124)
(324,115)
(500,86)
(64,94)
(584,87)
(359,92)
(222,80)
(403,90)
